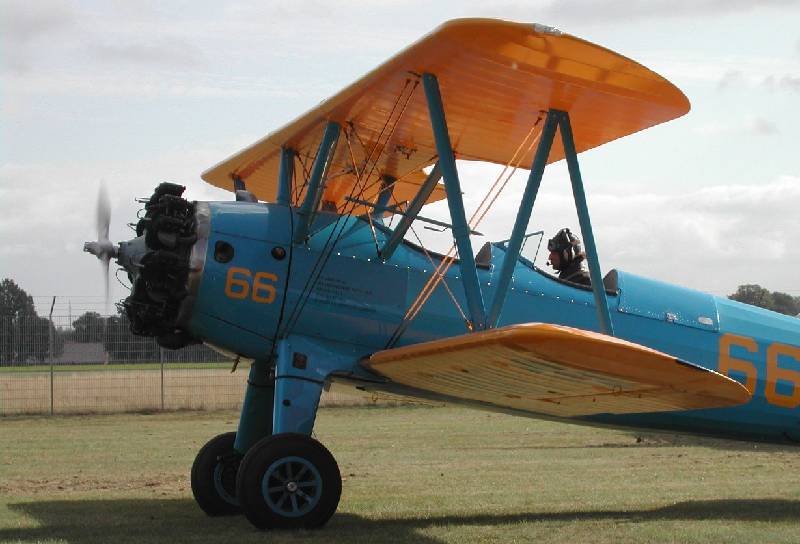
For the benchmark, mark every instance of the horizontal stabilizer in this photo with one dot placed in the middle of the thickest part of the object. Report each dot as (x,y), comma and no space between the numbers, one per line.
(557,371)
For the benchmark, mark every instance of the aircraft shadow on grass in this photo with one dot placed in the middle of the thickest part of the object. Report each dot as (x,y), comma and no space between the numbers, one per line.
(174,520)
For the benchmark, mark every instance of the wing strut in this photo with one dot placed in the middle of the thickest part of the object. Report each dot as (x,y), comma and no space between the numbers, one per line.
(413,209)
(598,289)
(555,119)
(455,202)
(314,190)
(523,217)
(285,175)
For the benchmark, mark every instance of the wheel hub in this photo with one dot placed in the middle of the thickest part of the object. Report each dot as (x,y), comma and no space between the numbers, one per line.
(292,487)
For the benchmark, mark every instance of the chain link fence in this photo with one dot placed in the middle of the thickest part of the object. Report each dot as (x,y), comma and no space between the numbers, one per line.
(93,364)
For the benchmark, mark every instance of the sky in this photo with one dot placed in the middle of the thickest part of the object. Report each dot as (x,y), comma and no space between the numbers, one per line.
(135,93)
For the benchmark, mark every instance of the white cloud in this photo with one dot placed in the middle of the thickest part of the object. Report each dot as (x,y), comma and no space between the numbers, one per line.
(727,72)
(731,78)
(133,84)
(27,27)
(624,11)
(756,126)
(49,212)
(159,52)
(711,238)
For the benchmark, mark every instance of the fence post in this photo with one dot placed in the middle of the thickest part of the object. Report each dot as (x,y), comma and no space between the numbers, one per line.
(161,362)
(50,353)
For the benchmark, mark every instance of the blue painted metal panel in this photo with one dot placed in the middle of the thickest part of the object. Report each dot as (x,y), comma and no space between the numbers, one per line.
(253,230)
(303,366)
(296,398)
(250,221)
(664,302)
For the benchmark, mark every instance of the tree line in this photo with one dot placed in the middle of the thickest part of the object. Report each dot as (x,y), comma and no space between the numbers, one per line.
(26,337)
(776,301)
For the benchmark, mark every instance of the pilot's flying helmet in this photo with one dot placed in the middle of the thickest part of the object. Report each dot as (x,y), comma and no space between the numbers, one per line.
(567,245)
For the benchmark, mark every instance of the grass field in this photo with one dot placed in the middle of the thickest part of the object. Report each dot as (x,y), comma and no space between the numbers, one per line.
(102,389)
(412,474)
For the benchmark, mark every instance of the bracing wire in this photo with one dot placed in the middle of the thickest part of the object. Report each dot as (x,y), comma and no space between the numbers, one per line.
(306,175)
(474,221)
(444,281)
(328,247)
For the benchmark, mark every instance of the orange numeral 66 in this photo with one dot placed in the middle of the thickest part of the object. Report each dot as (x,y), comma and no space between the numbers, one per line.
(241,283)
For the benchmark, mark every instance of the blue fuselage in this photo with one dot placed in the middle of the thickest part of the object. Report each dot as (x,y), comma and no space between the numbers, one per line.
(351,302)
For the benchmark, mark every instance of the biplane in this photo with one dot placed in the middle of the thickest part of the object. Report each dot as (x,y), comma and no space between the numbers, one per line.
(308,274)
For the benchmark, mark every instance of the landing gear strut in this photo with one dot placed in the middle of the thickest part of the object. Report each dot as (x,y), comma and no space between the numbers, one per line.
(285,479)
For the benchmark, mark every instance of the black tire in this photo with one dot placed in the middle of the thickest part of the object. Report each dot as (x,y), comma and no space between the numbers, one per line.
(288,481)
(214,476)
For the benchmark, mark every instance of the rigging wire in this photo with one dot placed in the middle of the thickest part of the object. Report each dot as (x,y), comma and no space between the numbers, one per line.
(474,221)
(306,175)
(444,281)
(328,247)
(388,119)
(430,259)
(355,168)
(447,262)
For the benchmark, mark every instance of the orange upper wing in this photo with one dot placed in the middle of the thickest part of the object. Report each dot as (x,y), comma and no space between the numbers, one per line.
(495,79)
(558,371)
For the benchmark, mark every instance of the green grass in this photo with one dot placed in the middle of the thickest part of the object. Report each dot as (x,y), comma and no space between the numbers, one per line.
(111,366)
(412,474)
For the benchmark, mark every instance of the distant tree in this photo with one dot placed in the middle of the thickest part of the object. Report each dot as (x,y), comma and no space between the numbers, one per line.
(14,301)
(785,304)
(16,306)
(754,295)
(33,337)
(776,301)
(89,327)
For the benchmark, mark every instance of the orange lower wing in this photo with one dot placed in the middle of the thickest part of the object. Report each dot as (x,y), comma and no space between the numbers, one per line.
(557,371)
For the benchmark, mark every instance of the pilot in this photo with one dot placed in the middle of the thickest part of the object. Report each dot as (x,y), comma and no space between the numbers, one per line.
(567,257)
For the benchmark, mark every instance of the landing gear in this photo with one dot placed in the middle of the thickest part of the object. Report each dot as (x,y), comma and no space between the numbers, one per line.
(288,481)
(214,476)
(285,479)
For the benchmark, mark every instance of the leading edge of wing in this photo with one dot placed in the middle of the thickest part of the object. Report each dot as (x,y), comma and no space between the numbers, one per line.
(557,371)
(495,77)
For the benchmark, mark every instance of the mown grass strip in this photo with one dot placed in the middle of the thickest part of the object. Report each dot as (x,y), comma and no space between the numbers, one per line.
(429,475)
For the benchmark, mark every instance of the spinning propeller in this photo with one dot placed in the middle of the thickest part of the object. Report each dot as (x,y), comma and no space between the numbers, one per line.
(103,248)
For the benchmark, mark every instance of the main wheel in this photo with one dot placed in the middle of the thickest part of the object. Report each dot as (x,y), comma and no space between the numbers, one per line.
(214,476)
(288,481)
